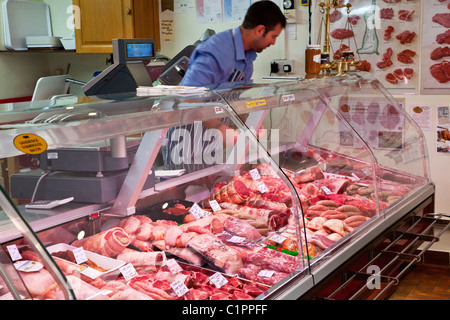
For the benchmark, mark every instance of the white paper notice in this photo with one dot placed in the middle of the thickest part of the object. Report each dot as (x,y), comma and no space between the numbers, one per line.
(209,11)
(422,115)
(234,10)
(183,6)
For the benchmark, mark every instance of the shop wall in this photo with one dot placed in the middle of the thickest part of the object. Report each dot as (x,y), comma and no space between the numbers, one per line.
(18,71)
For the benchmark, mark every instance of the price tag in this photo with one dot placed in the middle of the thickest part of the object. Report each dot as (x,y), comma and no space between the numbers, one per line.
(266,273)
(28,266)
(355,176)
(128,271)
(236,239)
(277,238)
(91,272)
(326,190)
(218,280)
(255,174)
(173,265)
(80,255)
(179,288)
(262,187)
(214,205)
(14,252)
(197,211)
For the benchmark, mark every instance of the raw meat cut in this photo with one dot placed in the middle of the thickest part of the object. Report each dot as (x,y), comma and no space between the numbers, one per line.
(273,260)
(151,260)
(390,117)
(335,16)
(405,15)
(252,272)
(391,78)
(241,228)
(406,56)
(399,74)
(372,112)
(338,54)
(341,33)
(108,243)
(441,71)
(308,175)
(388,33)
(216,253)
(442,18)
(364,66)
(408,72)
(440,52)
(406,37)
(387,13)
(443,38)
(386,62)
(236,191)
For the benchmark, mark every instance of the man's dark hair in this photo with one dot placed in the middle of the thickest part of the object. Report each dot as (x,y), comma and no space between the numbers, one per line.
(264,12)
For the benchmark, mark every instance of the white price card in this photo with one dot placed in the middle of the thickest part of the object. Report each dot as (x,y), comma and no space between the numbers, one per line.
(215,205)
(277,238)
(218,280)
(255,174)
(80,255)
(179,288)
(173,266)
(236,239)
(28,266)
(326,190)
(197,211)
(266,273)
(128,271)
(262,187)
(14,252)
(91,272)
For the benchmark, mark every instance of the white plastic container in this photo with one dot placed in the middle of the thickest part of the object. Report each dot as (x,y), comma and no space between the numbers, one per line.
(112,265)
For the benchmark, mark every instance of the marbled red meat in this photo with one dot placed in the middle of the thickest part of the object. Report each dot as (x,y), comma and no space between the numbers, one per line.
(443,19)
(341,33)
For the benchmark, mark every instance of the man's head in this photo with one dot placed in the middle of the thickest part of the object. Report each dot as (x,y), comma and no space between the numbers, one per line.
(262,24)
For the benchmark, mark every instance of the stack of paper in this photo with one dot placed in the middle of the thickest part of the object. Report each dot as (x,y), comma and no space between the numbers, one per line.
(169,90)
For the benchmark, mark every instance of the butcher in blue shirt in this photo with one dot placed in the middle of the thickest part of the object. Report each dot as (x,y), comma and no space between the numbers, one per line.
(222,61)
(228,56)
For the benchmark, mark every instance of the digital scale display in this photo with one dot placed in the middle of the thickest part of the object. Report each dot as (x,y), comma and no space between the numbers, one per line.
(140,50)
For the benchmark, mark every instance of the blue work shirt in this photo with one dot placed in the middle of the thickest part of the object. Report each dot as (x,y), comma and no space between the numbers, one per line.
(219,62)
(219,59)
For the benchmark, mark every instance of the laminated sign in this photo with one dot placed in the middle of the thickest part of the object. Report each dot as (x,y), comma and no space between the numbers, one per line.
(30,143)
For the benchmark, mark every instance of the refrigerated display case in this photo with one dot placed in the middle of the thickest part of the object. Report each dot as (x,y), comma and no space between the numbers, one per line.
(310,172)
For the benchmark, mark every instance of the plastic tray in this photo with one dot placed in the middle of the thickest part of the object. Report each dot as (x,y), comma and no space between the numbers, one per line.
(112,265)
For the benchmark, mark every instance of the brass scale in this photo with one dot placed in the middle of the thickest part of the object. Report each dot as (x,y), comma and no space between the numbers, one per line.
(343,65)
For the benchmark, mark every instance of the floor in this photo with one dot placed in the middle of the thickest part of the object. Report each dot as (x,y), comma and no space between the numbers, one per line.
(424,283)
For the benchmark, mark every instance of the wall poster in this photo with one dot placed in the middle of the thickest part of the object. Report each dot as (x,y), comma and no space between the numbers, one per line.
(436,47)
(384,34)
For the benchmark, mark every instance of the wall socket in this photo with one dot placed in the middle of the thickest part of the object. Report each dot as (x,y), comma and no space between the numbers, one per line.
(281,66)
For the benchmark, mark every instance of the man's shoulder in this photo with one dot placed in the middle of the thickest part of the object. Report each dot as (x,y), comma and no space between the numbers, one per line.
(217,42)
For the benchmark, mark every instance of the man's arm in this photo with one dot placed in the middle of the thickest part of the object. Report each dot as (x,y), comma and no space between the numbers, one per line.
(204,71)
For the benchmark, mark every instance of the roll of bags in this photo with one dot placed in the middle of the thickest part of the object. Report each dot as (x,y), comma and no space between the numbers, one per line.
(109,243)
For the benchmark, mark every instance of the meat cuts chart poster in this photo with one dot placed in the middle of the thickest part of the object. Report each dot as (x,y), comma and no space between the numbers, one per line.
(378,123)
(436,47)
(384,34)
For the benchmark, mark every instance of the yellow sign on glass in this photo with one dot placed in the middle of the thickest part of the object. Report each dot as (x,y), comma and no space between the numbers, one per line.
(30,143)
(256,103)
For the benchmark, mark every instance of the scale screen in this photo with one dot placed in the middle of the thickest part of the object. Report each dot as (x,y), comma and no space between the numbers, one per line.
(140,50)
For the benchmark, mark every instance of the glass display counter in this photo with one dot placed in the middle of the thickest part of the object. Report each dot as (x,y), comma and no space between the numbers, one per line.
(255,192)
